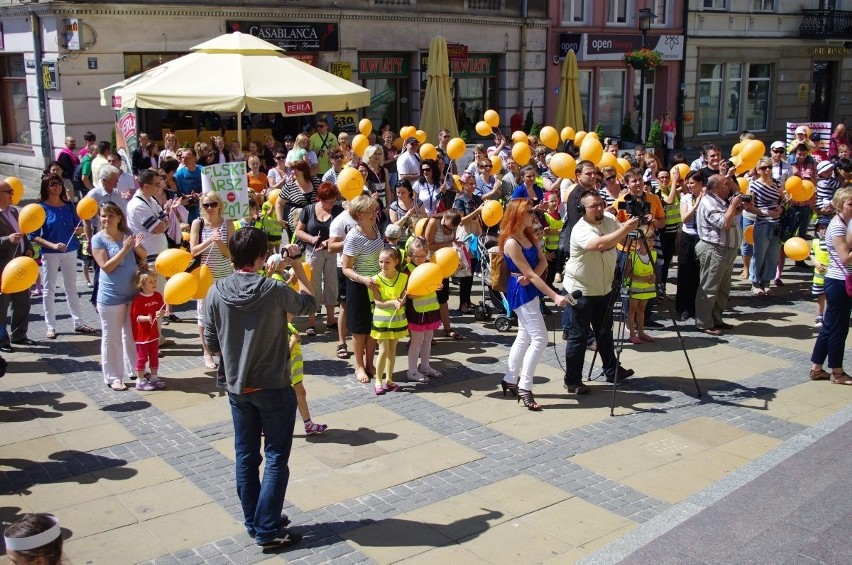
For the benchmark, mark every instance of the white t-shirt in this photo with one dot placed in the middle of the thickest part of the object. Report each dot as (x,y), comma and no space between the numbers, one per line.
(591,272)
(143,216)
(339,227)
(126,183)
(407,164)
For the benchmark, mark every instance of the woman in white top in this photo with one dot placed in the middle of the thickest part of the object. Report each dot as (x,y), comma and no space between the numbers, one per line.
(171,147)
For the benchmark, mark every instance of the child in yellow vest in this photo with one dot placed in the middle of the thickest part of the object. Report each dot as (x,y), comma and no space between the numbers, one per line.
(641,287)
(389,321)
(424,318)
(820,258)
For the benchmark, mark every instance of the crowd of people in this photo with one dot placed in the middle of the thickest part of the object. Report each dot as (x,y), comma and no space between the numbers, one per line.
(577,241)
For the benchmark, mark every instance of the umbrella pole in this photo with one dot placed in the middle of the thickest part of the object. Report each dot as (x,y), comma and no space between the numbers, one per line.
(240,128)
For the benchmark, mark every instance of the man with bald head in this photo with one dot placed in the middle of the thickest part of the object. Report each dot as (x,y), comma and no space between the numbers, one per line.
(12,244)
(67,159)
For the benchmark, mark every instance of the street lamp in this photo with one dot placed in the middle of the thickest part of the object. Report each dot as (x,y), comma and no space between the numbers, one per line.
(646,17)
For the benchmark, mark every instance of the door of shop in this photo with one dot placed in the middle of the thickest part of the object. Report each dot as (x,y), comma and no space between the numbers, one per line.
(822,87)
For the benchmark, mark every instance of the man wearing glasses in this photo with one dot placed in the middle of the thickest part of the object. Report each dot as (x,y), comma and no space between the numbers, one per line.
(321,143)
(408,162)
(12,244)
(780,167)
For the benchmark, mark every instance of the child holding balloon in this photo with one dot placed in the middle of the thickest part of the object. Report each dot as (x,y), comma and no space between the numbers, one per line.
(820,259)
(147,308)
(389,320)
(424,317)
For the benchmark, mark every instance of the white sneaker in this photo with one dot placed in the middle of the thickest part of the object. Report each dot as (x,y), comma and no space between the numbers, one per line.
(430,372)
(417,377)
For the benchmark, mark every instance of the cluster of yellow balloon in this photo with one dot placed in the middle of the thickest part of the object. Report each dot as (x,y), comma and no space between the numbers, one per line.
(746,154)
(17,189)
(799,190)
(172,262)
(425,278)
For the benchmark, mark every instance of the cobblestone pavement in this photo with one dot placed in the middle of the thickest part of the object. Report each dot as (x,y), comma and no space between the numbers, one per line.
(446,471)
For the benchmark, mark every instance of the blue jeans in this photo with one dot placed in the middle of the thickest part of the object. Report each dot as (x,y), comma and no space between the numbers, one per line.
(831,340)
(767,248)
(273,412)
(746,249)
(590,311)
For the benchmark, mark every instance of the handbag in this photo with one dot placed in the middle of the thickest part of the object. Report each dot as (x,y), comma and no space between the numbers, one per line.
(463,269)
(499,271)
(789,221)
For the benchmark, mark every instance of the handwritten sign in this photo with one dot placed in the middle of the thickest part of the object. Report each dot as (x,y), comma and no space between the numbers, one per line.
(229,180)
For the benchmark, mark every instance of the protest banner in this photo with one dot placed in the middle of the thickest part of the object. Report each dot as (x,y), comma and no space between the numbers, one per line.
(231,182)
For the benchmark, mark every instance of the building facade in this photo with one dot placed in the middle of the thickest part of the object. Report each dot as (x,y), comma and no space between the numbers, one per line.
(56,56)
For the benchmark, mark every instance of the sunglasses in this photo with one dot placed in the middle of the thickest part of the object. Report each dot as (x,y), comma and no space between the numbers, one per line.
(209,205)
(779,150)
(764,168)
(426,170)
(610,179)
(54,183)
(279,158)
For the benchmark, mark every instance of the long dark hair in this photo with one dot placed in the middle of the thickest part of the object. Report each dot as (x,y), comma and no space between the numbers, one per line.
(44,191)
(434,168)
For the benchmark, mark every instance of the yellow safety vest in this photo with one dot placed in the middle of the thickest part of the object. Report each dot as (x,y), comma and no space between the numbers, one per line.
(642,290)
(389,319)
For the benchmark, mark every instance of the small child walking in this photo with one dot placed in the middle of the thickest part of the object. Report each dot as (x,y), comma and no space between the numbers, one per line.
(641,289)
(389,321)
(820,258)
(423,317)
(297,375)
(146,308)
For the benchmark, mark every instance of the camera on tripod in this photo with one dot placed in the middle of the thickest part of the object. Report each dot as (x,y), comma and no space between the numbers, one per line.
(634,207)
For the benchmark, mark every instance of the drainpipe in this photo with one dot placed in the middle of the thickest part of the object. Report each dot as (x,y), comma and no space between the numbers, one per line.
(523,55)
(41,95)
(681,92)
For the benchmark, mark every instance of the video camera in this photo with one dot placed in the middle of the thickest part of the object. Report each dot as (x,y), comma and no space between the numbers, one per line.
(634,207)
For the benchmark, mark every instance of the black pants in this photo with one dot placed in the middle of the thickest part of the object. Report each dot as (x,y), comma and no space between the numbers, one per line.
(668,242)
(688,270)
(589,311)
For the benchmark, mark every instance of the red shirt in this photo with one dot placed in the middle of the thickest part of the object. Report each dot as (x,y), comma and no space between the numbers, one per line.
(145,332)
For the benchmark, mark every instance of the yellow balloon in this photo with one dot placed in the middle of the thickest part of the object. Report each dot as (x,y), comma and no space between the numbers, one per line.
(591,149)
(204,280)
(797,249)
(308,273)
(751,150)
(520,137)
(578,138)
(521,153)
(447,259)
(491,118)
(563,165)
(743,184)
(19,274)
(272,198)
(496,164)
(420,226)
(808,189)
(549,137)
(87,207)
(360,144)
(793,185)
(682,170)
(172,261)
(350,183)
(420,136)
(425,278)
(428,151)
(365,126)
(184,236)
(457,182)
(180,289)
(17,189)
(623,165)
(398,143)
(748,235)
(407,131)
(607,160)
(483,129)
(743,166)
(593,134)
(567,133)
(31,218)
(735,150)
(492,213)
(456,148)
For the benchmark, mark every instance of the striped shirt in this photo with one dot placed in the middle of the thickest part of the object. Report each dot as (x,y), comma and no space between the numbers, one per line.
(766,197)
(219,265)
(825,189)
(710,219)
(836,228)
(364,250)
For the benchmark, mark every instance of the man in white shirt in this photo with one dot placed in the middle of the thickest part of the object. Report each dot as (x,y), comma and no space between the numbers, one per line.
(408,162)
(126,182)
(145,216)
(104,149)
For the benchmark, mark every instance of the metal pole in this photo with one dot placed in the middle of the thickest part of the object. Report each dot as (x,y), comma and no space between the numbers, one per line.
(641,133)
(41,94)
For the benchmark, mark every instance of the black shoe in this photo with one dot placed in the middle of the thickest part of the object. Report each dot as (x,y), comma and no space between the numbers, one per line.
(6,348)
(683,317)
(622,374)
(25,341)
(577,389)
(654,324)
(564,335)
(283,539)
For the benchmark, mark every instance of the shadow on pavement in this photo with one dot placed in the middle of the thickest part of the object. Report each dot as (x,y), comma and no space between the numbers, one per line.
(353,438)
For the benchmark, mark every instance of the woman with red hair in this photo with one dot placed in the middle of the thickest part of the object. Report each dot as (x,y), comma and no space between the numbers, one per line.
(526,264)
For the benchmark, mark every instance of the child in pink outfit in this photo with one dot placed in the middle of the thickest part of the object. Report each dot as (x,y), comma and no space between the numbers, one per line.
(145,311)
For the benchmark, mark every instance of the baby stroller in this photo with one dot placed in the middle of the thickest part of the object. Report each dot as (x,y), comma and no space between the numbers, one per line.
(486,246)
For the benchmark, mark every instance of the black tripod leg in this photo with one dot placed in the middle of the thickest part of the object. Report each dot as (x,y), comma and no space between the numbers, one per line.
(686,356)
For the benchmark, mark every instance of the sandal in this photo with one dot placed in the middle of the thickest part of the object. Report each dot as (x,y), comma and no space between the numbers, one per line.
(841,379)
(342,352)
(453,334)
(819,375)
(84,329)
(362,376)
(757,291)
(311,330)
(50,334)
(117,386)
(391,387)
(378,389)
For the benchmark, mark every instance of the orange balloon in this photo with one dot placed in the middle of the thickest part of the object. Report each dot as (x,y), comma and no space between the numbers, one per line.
(748,235)
(350,183)
(204,279)
(797,249)
(591,149)
(420,226)
(521,153)
(496,164)
(735,150)
(19,275)
(549,137)
(425,278)
(360,144)
(407,131)
(520,137)
(793,185)
(567,133)
(682,170)
(428,151)
(447,259)
(420,136)
(483,129)
(623,165)
(607,160)
(365,126)
(180,289)
(457,182)
(456,148)
(578,138)
(272,197)
(172,261)
(17,189)
(492,213)
(87,207)
(752,150)
(808,189)
(743,184)
(491,118)
(563,165)
(593,134)
(31,218)
(398,143)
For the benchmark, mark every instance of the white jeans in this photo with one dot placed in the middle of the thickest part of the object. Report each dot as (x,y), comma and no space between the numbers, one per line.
(528,346)
(50,263)
(116,342)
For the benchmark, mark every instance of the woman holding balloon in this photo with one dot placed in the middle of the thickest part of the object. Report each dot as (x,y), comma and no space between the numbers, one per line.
(116,251)
(766,194)
(59,244)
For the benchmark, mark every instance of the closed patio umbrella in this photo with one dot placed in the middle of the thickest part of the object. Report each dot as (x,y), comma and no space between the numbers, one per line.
(437,112)
(570,110)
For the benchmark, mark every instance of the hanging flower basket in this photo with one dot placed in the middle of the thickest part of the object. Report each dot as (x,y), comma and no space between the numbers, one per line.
(643,58)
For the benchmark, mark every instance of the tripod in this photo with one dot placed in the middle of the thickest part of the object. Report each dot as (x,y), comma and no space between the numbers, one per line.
(618,295)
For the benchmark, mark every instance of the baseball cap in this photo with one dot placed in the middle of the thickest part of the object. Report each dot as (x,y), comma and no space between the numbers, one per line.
(273,260)
(411,140)
(824,166)
(802,130)
(393,231)
(777,145)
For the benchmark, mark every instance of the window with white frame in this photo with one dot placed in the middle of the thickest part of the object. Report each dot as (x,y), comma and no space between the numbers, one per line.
(660,7)
(716,4)
(573,11)
(585,96)
(733,97)
(14,107)
(616,11)
(610,102)
(764,5)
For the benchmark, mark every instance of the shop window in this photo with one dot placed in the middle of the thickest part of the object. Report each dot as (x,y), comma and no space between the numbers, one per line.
(585,97)
(475,95)
(732,114)
(610,102)
(709,98)
(388,78)
(616,11)
(733,97)
(573,11)
(14,112)
(757,101)
(764,5)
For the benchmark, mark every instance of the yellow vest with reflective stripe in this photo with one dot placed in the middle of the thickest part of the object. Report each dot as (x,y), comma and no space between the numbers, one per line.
(389,319)
(297,365)
(551,241)
(822,256)
(642,290)
(423,304)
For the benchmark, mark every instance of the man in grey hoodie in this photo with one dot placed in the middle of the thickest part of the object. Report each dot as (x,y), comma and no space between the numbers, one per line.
(245,321)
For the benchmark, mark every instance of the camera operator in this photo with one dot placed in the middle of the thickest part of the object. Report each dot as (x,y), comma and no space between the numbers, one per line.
(720,235)
(638,203)
(591,270)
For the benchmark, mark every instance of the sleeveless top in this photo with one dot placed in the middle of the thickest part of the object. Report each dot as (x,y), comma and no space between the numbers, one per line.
(642,266)
(516,294)
(389,323)
(220,266)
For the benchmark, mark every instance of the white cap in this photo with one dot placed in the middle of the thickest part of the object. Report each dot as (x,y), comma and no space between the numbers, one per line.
(273,260)
(777,145)
(824,166)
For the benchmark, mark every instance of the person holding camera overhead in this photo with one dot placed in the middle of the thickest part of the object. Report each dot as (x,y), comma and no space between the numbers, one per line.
(720,235)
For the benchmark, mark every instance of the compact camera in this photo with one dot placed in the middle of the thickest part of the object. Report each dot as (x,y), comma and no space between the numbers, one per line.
(746,197)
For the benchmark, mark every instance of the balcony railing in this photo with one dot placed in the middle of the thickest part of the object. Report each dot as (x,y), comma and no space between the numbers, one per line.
(826,24)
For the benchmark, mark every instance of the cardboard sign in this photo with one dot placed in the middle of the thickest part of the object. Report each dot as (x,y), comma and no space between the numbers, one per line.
(231,182)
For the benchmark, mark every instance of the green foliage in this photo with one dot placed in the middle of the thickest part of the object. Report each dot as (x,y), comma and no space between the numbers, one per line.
(627,133)
(600,131)
(534,129)
(655,135)
(529,122)
(112,138)
(464,135)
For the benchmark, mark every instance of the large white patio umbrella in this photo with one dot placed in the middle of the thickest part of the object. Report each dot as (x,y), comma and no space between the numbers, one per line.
(237,72)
